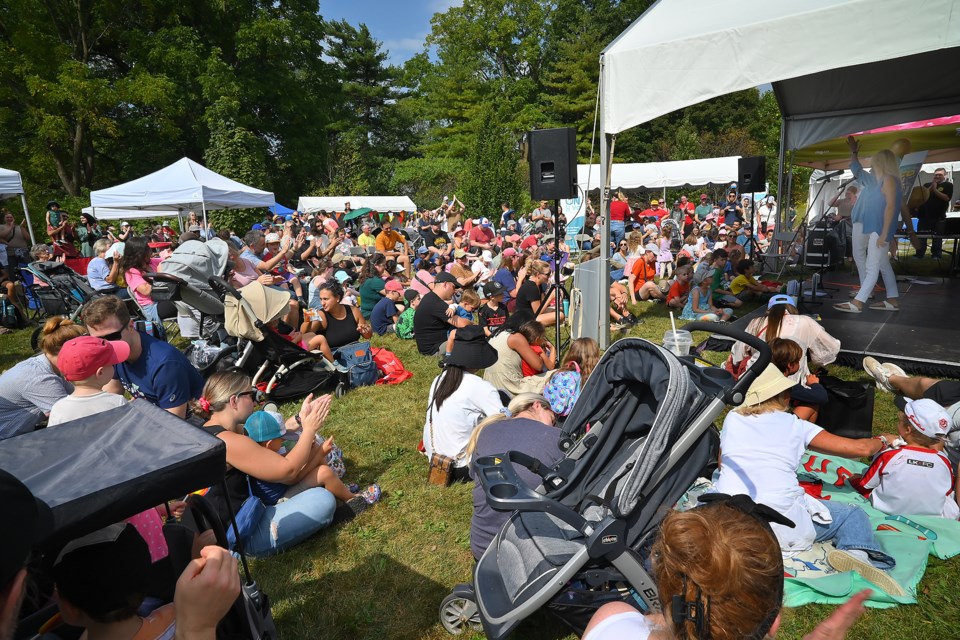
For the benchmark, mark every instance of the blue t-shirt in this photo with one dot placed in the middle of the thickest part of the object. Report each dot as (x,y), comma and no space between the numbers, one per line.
(162,375)
(97,272)
(504,277)
(382,315)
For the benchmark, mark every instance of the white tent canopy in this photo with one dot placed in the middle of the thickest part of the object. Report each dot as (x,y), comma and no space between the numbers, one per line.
(660,175)
(183,185)
(879,68)
(11,186)
(382,204)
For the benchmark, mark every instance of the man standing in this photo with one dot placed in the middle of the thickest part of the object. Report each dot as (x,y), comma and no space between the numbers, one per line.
(619,212)
(541,217)
(431,322)
(932,215)
(393,245)
(155,370)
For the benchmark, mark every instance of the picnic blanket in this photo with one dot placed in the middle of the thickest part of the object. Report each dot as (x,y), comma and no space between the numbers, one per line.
(909,539)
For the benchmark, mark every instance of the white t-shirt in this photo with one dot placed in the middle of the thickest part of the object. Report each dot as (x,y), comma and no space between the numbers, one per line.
(912,481)
(454,421)
(632,625)
(759,458)
(480,268)
(803,330)
(76,407)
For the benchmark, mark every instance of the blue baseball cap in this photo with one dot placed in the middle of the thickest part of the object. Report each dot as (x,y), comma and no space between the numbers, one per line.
(781,298)
(263,426)
(257,227)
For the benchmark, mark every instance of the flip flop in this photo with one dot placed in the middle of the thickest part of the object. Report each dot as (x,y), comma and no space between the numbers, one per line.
(847,307)
(885,306)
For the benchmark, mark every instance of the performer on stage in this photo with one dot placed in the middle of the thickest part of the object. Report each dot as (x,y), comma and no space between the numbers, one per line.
(874,223)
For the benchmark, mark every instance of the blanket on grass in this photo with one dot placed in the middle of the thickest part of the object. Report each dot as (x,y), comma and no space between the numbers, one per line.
(909,539)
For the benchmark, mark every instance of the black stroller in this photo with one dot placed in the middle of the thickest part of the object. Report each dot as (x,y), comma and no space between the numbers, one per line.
(280,369)
(639,435)
(143,457)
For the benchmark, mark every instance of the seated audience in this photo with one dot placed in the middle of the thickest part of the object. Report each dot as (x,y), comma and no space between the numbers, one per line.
(155,370)
(619,313)
(493,313)
(699,305)
(513,349)
(337,325)
(404,328)
(528,427)
(530,294)
(912,475)
(680,289)
(431,323)
(692,560)
(745,286)
(459,399)
(372,282)
(88,363)
(720,292)
(227,401)
(135,261)
(762,445)
(102,275)
(642,279)
(30,388)
(807,398)
(386,313)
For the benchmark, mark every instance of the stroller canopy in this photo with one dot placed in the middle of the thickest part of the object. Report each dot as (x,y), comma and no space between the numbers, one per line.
(257,303)
(196,262)
(101,469)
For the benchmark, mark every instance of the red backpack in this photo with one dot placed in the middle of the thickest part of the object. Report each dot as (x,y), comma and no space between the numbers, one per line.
(390,366)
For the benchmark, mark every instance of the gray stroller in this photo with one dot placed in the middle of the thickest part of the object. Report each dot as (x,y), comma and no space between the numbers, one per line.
(641,432)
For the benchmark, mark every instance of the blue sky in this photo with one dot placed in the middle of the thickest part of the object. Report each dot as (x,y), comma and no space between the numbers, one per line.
(401,25)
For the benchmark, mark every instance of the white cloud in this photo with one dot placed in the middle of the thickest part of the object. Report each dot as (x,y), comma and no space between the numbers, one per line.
(402,49)
(442,5)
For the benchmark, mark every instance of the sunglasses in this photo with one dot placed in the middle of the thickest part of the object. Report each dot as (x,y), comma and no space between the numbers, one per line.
(113,337)
(255,394)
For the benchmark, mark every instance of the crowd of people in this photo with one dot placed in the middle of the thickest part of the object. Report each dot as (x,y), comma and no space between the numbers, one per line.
(478,296)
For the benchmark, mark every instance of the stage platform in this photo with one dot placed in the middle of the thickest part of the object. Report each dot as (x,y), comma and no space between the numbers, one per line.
(923,337)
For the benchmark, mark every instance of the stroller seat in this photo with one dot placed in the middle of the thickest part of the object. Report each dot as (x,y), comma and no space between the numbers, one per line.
(531,546)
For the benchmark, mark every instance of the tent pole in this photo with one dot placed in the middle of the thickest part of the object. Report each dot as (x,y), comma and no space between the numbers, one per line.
(206,226)
(26,213)
(781,218)
(602,296)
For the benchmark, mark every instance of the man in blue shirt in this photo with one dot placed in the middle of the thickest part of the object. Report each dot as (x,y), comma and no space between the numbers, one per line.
(155,370)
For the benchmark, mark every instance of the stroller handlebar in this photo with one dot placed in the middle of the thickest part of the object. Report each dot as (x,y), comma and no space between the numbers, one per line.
(506,491)
(736,394)
(223,288)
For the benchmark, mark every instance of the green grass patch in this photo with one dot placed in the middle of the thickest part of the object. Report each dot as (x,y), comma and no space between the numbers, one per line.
(384,574)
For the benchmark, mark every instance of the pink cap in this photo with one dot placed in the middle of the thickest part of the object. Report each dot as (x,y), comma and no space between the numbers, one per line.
(394,285)
(80,358)
(509,252)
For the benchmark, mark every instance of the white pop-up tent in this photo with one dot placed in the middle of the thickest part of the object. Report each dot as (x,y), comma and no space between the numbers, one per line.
(104,213)
(887,62)
(11,186)
(383,204)
(179,187)
(662,175)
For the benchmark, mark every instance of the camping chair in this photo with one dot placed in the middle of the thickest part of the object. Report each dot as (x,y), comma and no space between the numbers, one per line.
(169,325)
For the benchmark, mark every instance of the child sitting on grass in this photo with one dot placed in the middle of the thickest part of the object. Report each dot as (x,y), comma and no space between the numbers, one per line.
(88,363)
(762,445)
(268,430)
(807,397)
(404,326)
(680,289)
(912,475)
(536,335)
(386,313)
(745,286)
(493,313)
(719,292)
(699,305)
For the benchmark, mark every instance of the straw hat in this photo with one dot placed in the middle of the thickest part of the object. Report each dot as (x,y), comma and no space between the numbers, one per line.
(768,384)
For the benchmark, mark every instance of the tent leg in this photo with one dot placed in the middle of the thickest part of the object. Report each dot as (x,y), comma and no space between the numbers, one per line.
(206,226)
(26,213)
(781,219)
(607,143)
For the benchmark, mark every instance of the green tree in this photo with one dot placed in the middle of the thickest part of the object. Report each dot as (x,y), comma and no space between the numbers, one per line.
(492,173)
(427,180)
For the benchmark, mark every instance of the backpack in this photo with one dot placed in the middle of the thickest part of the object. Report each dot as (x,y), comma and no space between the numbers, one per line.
(9,316)
(404,326)
(392,370)
(356,359)
(562,390)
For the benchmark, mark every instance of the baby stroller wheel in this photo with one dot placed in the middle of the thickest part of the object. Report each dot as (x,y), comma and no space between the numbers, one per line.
(341,390)
(459,613)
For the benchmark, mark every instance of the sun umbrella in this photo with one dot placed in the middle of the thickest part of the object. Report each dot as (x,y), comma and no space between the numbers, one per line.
(356,213)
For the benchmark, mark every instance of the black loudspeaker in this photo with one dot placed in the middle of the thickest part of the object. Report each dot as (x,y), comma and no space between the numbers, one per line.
(824,248)
(553,163)
(752,174)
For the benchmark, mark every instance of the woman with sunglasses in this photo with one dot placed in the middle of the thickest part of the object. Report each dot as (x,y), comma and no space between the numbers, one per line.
(528,426)
(228,400)
(618,261)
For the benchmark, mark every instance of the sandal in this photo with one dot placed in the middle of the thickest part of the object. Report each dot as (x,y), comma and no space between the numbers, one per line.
(847,307)
(885,306)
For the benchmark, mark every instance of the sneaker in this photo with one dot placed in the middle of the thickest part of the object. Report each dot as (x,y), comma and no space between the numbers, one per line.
(878,373)
(371,494)
(847,561)
(893,370)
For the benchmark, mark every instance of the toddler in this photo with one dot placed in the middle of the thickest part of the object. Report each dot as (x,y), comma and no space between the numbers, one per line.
(88,363)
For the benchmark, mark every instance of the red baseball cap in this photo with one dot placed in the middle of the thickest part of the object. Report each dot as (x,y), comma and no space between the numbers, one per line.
(81,357)
(394,285)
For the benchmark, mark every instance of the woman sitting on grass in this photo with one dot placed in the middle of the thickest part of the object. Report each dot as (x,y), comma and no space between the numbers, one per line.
(513,348)
(528,427)
(29,389)
(459,399)
(337,324)
(228,400)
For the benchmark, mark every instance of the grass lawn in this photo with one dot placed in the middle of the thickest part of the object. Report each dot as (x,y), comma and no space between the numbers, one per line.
(384,574)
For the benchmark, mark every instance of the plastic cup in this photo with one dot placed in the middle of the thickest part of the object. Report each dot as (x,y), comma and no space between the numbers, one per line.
(679,342)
